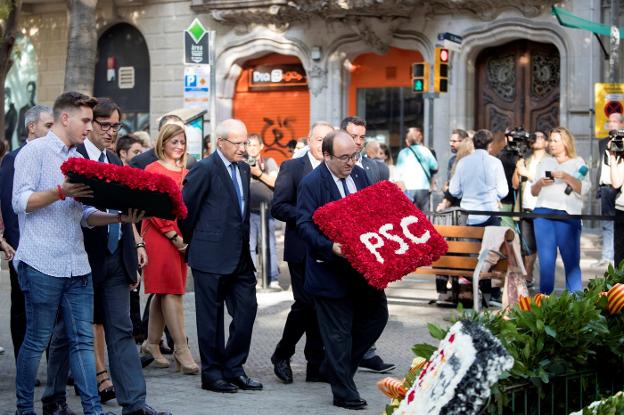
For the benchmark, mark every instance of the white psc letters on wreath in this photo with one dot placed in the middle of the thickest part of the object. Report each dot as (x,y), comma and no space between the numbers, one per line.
(373,241)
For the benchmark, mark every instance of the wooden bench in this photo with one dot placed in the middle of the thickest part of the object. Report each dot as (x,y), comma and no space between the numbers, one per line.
(465,259)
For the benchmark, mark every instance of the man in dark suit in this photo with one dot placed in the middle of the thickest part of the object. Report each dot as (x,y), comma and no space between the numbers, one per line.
(38,120)
(114,258)
(356,128)
(216,192)
(301,318)
(351,313)
(375,172)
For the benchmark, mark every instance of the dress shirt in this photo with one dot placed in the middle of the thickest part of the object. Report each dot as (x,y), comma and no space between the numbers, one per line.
(480,182)
(314,162)
(350,183)
(238,175)
(50,237)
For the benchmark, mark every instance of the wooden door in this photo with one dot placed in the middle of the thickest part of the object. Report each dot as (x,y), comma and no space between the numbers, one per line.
(518,86)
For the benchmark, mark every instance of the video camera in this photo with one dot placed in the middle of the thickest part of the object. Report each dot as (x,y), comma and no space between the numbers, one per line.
(519,141)
(616,142)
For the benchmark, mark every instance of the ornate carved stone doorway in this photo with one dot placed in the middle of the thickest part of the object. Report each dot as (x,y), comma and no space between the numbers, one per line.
(518,85)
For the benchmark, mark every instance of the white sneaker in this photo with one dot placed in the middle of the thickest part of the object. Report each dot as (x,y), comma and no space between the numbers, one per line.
(1,350)
(275,285)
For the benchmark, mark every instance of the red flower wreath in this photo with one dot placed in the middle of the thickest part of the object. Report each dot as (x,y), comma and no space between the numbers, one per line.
(383,235)
(135,179)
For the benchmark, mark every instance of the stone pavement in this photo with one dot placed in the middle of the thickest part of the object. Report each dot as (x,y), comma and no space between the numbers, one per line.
(181,394)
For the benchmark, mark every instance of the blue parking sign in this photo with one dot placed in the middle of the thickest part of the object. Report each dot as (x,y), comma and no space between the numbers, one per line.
(190,81)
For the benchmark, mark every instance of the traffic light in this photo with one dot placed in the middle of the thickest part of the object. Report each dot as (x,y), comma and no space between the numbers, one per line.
(441,70)
(420,77)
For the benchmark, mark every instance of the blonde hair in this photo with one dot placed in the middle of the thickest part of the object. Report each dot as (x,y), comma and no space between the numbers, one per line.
(568,140)
(465,148)
(166,133)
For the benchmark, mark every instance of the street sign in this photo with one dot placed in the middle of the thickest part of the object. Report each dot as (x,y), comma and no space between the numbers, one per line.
(197,86)
(196,44)
(451,37)
(608,99)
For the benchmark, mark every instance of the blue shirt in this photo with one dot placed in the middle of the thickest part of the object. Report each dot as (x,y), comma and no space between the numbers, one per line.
(480,182)
(411,172)
(50,237)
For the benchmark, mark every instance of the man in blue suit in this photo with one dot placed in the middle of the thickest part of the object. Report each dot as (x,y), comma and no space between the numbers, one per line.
(351,313)
(216,192)
(301,318)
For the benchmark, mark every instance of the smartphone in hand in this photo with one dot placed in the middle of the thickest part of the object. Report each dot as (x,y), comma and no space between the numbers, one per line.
(548,174)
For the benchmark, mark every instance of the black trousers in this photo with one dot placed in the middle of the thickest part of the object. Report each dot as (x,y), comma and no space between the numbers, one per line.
(349,327)
(18,312)
(221,360)
(301,319)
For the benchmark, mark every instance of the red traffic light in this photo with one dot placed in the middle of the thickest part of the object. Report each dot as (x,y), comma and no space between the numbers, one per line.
(444,55)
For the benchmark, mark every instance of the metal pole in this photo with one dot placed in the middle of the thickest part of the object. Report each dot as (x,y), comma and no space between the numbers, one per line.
(430,97)
(213,92)
(614,41)
(264,246)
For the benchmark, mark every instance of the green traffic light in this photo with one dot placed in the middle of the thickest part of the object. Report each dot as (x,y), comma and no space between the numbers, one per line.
(418,85)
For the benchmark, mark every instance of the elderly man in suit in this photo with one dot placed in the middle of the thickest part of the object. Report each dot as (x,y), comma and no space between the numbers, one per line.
(351,313)
(301,318)
(216,192)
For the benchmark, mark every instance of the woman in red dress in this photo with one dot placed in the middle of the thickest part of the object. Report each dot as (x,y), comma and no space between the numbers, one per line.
(165,273)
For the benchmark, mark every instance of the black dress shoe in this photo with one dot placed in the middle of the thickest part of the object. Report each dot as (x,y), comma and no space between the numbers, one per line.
(147,410)
(377,365)
(57,408)
(351,403)
(146,360)
(220,386)
(282,369)
(246,383)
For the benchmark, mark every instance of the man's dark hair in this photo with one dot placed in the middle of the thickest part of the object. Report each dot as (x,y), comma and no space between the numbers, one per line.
(71,100)
(105,107)
(534,134)
(352,120)
(125,142)
(257,137)
(481,139)
(328,142)
(167,118)
(461,133)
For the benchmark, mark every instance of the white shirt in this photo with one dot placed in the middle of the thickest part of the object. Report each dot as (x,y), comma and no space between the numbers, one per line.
(553,196)
(315,163)
(94,152)
(350,183)
(528,200)
(480,182)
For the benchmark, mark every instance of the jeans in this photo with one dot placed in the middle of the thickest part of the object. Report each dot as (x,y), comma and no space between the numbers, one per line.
(254,237)
(564,234)
(607,207)
(45,296)
(123,357)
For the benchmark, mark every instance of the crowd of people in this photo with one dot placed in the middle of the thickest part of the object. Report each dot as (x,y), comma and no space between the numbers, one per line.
(76,269)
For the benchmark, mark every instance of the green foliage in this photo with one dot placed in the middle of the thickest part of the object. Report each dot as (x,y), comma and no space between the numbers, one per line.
(613,405)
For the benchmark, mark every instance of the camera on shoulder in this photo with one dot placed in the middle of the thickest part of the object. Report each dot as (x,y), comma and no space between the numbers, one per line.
(519,141)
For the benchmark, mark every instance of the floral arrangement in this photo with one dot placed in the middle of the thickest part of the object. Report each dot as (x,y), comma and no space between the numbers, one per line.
(457,378)
(550,337)
(383,235)
(134,179)
(610,406)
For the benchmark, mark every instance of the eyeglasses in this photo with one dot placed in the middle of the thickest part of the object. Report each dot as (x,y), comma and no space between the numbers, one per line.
(241,144)
(346,158)
(105,126)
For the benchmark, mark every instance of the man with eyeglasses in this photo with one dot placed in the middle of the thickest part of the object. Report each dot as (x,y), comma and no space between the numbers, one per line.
(351,313)
(216,193)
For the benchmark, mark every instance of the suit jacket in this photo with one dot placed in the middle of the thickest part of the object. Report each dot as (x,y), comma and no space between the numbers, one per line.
(284,204)
(217,232)
(96,239)
(327,275)
(375,171)
(7,171)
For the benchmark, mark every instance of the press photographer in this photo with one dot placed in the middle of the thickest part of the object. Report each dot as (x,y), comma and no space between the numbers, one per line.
(616,157)
(518,143)
(263,174)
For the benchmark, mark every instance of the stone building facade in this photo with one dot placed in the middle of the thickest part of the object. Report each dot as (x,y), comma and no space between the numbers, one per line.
(516,64)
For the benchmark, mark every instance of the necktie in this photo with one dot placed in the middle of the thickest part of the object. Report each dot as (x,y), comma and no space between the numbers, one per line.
(239,197)
(113,234)
(344,187)
(102,157)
